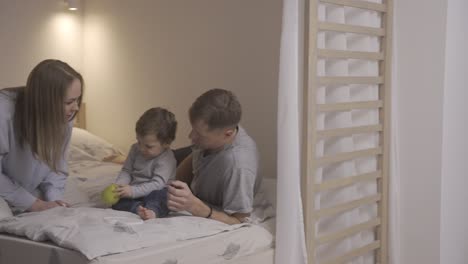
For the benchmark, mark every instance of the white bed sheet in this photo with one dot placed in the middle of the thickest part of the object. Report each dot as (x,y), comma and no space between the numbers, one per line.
(97,232)
(205,250)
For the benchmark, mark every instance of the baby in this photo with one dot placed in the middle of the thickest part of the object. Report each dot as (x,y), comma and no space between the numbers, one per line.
(141,185)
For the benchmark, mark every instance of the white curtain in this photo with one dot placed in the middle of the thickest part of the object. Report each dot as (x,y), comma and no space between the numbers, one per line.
(290,242)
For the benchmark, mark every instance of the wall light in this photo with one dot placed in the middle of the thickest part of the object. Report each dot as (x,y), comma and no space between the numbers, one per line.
(73,4)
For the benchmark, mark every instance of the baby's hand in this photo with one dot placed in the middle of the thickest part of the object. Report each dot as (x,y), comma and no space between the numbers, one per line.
(124,191)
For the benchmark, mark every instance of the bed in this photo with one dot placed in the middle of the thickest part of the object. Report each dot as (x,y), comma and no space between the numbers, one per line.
(154,241)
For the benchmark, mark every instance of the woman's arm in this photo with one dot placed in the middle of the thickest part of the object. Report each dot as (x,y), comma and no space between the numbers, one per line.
(10,190)
(14,194)
(53,186)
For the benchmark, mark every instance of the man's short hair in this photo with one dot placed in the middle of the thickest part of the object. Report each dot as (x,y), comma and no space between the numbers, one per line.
(218,108)
(159,122)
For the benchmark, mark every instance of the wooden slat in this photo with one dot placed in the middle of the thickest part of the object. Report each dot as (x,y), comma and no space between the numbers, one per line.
(337,80)
(347,206)
(358,4)
(348,231)
(345,54)
(327,26)
(355,253)
(385,115)
(341,132)
(343,182)
(308,166)
(349,106)
(348,156)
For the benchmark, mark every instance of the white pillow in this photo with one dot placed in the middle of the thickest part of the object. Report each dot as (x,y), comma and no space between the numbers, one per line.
(5,210)
(87,146)
(264,202)
(269,187)
(73,195)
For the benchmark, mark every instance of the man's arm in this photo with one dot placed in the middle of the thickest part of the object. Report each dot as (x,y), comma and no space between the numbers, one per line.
(184,170)
(203,210)
(180,198)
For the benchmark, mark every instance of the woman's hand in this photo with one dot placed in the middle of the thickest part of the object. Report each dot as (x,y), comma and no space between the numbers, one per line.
(62,203)
(124,191)
(40,205)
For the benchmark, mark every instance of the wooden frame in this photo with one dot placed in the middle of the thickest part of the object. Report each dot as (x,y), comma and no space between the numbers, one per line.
(311,135)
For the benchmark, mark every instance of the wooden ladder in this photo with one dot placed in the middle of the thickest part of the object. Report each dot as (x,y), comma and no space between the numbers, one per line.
(311,135)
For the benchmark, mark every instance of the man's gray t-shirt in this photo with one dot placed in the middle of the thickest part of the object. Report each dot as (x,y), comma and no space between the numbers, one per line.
(147,175)
(228,179)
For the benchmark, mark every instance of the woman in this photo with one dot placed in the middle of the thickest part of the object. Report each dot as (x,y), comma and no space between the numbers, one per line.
(35,129)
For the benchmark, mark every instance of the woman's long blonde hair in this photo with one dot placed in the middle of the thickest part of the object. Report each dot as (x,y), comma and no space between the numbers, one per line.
(39,118)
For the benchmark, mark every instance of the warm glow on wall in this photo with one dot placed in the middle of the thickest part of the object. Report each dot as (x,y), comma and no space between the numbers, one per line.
(73,5)
(64,25)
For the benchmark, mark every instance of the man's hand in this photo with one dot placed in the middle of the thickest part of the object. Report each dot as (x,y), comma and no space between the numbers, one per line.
(124,190)
(180,197)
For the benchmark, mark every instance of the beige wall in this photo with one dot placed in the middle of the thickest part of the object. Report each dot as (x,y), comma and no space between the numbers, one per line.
(419,90)
(454,226)
(31,31)
(140,54)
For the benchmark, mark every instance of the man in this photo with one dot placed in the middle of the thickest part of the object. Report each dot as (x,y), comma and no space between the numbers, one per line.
(222,169)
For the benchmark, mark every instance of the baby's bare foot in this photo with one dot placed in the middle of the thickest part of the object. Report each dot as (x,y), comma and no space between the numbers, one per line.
(140,211)
(146,213)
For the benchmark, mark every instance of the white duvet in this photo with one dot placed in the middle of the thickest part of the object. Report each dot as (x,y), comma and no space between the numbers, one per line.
(97,232)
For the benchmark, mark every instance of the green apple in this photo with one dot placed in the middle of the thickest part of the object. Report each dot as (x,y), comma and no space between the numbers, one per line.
(109,196)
